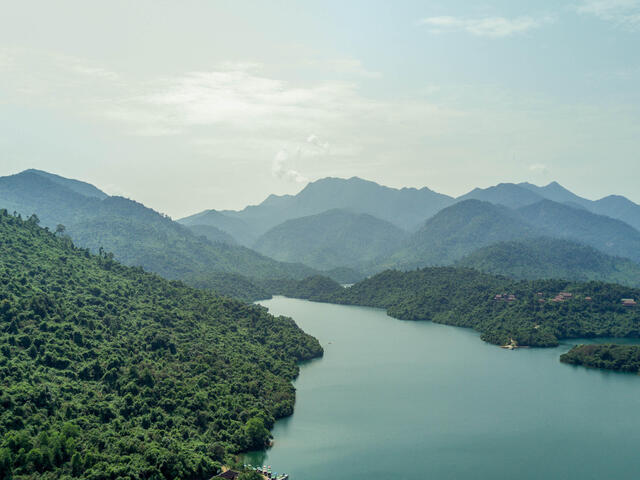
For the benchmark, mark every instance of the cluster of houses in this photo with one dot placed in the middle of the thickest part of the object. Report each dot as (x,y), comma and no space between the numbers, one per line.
(559,298)
(505,298)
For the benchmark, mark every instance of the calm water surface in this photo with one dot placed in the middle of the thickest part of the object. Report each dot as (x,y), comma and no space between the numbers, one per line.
(416,400)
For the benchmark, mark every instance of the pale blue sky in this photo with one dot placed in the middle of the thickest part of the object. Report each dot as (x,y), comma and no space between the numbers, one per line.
(208,104)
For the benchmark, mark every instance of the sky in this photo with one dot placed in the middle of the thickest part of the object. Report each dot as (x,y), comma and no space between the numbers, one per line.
(187,105)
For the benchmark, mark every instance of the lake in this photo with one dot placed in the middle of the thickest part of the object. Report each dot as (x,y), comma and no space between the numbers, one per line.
(403,400)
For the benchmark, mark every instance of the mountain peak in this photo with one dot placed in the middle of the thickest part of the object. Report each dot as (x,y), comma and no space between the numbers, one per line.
(82,188)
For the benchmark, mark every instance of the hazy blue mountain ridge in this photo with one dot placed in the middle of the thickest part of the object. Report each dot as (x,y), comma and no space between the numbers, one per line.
(542,258)
(507,194)
(335,238)
(609,235)
(456,231)
(614,206)
(406,208)
(137,235)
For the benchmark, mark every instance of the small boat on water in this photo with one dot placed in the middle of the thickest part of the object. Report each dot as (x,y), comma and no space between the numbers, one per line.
(266,471)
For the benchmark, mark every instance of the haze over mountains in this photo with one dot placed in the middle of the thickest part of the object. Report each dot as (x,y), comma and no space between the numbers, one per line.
(335,238)
(534,258)
(439,229)
(137,235)
(347,228)
(406,208)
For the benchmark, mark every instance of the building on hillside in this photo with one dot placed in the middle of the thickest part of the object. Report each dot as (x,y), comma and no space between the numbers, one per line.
(504,298)
(228,475)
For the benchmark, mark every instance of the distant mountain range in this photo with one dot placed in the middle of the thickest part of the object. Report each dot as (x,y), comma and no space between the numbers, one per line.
(137,235)
(348,229)
(524,194)
(537,258)
(335,238)
(456,231)
(607,234)
(406,208)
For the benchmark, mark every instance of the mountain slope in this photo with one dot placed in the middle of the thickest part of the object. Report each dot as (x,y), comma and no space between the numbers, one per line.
(619,207)
(614,206)
(457,231)
(237,228)
(135,234)
(336,238)
(506,194)
(606,234)
(557,193)
(110,372)
(541,258)
(213,234)
(83,188)
(406,208)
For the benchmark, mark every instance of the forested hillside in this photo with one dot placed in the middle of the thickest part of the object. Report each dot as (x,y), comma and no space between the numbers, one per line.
(540,258)
(336,238)
(457,231)
(213,234)
(606,234)
(137,235)
(533,313)
(614,206)
(241,232)
(622,358)
(318,288)
(108,372)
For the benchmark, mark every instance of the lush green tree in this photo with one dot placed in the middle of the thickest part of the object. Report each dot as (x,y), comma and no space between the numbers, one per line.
(252,475)
(623,358)
(257,434)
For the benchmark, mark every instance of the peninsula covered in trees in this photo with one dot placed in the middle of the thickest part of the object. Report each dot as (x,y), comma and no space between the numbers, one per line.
(535,313)
(109,372)
(622,358)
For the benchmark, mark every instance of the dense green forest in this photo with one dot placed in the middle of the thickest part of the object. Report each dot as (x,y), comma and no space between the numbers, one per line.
(318,287)
(537,258)
(623,358)
(213,234)
(531,313)
(109,372)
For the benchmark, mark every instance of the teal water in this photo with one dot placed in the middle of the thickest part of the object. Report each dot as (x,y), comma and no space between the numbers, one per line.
(417,400)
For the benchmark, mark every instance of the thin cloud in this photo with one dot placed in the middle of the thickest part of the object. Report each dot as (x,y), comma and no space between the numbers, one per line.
(348,66)
(281,169)
(282,165)
(496,27)
(538,168)
(92,71)
(320,146)
(625,13)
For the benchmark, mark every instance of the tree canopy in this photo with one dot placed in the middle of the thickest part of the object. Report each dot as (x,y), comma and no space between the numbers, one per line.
(109,372)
